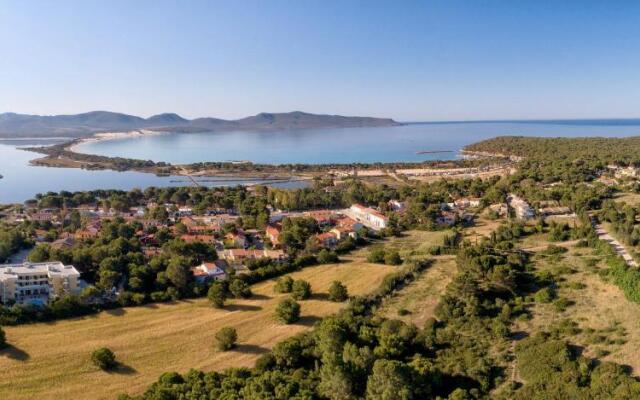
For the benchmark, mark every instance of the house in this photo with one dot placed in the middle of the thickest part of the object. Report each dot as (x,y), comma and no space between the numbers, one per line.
(522,209)
(208,271)
(237,257)
(343,232)
(466,202)
(347,222)
(327,239)
(43,216)
(41,235)
(397,206)
(210,239)
(65,242)
(273,233)
(37,283)
(368,216)
(150,251)
(238,238)
(446,218)
(559,210)
(322,217)
(89,232)
(500,208)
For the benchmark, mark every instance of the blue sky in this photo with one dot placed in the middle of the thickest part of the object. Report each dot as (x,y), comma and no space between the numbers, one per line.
(422,60)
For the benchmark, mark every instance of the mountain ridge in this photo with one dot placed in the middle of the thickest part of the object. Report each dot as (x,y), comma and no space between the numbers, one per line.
(89,123)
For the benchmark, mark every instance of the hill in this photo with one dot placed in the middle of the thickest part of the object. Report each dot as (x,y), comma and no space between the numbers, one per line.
(81,125)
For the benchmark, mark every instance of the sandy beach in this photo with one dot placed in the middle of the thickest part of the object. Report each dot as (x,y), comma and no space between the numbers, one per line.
(111,136)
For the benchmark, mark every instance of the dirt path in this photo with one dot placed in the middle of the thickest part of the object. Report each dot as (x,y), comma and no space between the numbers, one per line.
(615,244)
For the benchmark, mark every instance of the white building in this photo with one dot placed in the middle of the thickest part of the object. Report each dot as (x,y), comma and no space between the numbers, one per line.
(522,209)
(210,271)
(37,282)
(368,216)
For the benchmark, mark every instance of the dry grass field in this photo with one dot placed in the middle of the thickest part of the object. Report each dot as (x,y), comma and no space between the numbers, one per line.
(607,320)
(51,361)
(632,199)
(421,297)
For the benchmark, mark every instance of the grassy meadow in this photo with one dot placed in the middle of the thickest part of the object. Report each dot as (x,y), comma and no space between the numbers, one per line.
(52,360)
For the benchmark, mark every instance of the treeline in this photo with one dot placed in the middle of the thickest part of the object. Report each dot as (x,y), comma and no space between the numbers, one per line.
(592,150)
(99,162)
(12,239)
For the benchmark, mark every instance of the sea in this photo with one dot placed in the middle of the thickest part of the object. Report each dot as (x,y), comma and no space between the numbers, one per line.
(412,142)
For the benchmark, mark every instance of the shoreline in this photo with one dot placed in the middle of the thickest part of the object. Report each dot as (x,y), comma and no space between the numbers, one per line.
(68,155)
(105,136)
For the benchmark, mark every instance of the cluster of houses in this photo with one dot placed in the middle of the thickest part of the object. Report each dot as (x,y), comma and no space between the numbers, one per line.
(236,247)
(336,224)
(458,210)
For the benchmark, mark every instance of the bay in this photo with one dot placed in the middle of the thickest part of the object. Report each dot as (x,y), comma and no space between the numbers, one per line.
(22,181)
(322,146)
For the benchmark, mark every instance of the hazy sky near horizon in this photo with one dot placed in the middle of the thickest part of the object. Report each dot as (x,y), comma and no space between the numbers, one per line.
(408,60)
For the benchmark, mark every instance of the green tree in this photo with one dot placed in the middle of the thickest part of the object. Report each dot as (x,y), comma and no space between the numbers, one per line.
(177,273)
(283,284)
(104,358)
(301,290)
(389,380)
(288,311)
(226,338)
(240,289)
(217,295)
(338,292)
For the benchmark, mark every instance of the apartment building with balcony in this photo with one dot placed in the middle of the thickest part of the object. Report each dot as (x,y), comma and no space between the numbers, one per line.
(37,283)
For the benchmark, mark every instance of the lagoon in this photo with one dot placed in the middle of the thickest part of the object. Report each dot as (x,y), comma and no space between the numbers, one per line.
(22,181)
(402,143)
(323,146)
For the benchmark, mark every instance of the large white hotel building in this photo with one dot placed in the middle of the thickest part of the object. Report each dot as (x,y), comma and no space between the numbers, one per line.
(37,282)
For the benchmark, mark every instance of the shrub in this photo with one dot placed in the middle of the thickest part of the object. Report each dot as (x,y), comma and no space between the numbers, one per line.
(283,285)
(338,292)
(392,258)
(217,295)
(3,339)
(301,290)
(544,295)
(103,358)
(240,288)
(226,338)
(562,304)
(376,255)
(288,311)
(552,249)
(327,257)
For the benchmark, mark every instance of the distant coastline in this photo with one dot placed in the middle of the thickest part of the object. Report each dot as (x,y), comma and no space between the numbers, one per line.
(96,122)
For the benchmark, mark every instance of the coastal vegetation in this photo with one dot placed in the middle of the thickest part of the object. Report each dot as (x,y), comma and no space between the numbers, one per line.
(460,295)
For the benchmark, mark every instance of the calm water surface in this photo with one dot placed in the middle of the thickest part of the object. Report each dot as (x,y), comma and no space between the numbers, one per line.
(402,143)
(319,146)
(22,181)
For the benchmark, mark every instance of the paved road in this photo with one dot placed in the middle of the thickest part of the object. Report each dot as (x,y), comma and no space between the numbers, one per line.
(617,246)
